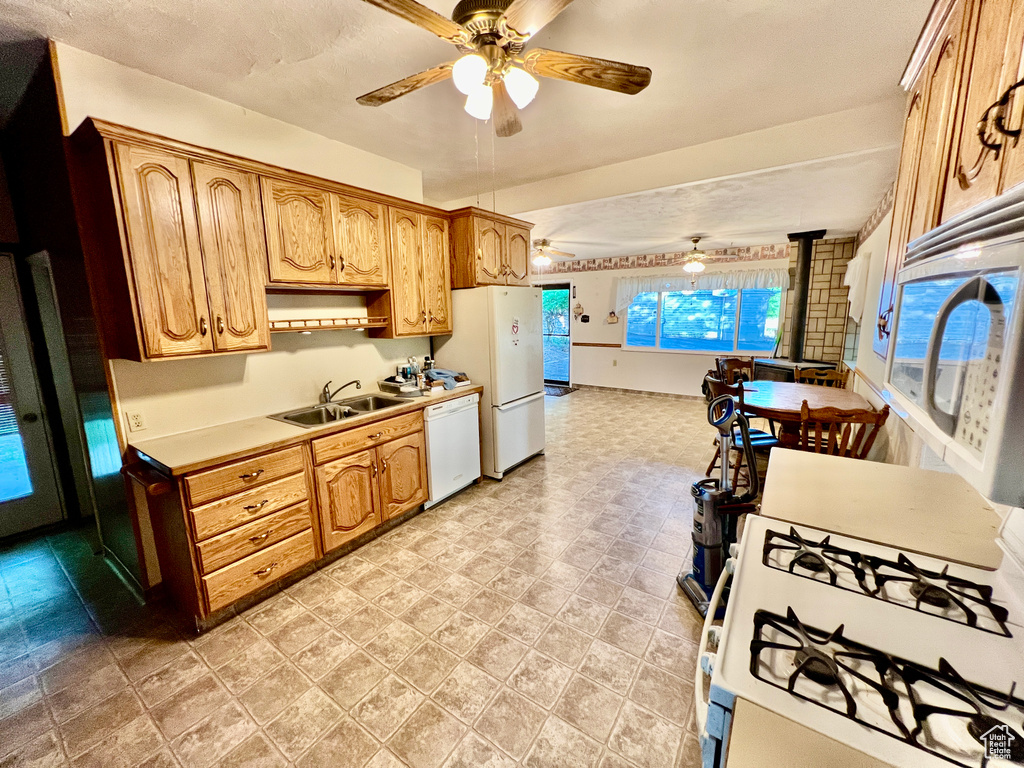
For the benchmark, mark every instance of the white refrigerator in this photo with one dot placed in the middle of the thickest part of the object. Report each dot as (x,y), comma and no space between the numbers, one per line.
(497,341)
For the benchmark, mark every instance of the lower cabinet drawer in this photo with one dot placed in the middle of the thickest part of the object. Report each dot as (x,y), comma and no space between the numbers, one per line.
(225,514)
(362,438)
(255,536)
(256,571)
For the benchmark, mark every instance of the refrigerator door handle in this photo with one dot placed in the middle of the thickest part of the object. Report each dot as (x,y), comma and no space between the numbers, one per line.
(520,401)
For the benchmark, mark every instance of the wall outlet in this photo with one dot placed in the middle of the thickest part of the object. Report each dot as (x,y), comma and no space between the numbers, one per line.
(615,363)
(136,423)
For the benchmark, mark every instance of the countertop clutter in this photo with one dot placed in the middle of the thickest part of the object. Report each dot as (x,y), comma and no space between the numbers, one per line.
(190,451)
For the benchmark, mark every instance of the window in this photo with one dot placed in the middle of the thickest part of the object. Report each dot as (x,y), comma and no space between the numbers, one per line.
(705,321)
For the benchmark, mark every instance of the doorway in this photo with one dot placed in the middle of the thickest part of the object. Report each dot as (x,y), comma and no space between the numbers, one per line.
(557,328)
(28,484)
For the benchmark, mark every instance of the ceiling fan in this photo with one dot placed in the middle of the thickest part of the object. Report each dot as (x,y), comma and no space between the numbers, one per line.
(544,254)
(494,72)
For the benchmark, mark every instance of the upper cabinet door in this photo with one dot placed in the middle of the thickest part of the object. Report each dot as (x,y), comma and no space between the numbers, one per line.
(360,235)
(489,237)
(940,84)
(166,260)
(974,170)
(437,282)
(409,316)
(1013,168)
(517,255)
(300,238)
(231,232)
(403,474)
(348,498)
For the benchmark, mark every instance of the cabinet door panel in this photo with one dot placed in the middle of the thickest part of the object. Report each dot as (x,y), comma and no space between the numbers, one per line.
(909,157)
(166,260)
(231,232)
(1013,169)
(299,234)
(940,86)
(437,282)
(360,235)
(348,498)
(517,255)
(403,474)
(409,317)
(974,170)
(490,251)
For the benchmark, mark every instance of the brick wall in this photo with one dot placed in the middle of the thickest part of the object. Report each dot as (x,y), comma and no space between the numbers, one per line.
(827,307)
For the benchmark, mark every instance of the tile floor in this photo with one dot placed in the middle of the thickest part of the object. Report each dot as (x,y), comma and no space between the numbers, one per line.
(534,621)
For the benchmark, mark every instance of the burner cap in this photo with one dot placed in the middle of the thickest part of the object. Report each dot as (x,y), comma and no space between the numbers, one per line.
(981,724)
(817,667)
(930,594)
(810,561)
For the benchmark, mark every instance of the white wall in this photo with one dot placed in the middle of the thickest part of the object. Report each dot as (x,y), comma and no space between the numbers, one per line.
(95,87)
(677,373)
(868,363)
(176,396)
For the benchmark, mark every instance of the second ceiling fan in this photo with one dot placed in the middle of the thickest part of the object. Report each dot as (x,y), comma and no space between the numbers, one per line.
(495,72)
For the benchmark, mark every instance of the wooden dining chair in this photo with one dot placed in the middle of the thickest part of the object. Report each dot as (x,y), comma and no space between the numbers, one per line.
(760,440)
(731,369)
(822,378)
(837,432)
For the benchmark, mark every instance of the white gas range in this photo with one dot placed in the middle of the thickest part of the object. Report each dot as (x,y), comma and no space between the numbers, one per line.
(899,659)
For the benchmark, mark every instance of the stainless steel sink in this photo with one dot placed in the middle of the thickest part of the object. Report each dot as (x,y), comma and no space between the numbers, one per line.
(372,403)
(317,415)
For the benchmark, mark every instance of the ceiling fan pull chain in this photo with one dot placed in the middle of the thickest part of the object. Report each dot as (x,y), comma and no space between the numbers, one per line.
(479,179)
(494,208)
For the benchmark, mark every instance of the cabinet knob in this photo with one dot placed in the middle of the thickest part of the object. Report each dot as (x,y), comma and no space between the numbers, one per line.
(220,324)
(202,326)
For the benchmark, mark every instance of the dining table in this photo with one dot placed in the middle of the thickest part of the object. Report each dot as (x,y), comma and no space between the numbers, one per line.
(781,401)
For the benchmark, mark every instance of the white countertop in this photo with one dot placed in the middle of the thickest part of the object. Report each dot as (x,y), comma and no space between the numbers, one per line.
(189,451)
(917,510)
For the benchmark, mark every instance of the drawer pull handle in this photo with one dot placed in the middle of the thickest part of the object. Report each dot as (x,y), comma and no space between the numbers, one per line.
(265,571)
(377,436)
(251,475)
(262,537)
(254,507)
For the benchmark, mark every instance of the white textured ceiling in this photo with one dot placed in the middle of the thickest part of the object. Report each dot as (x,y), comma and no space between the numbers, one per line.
(721,68)
(837,194)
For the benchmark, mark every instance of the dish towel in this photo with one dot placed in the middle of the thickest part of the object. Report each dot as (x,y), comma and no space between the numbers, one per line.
(446,377)
(857,281)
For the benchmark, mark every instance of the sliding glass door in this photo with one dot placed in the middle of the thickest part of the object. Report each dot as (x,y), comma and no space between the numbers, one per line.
(556,334)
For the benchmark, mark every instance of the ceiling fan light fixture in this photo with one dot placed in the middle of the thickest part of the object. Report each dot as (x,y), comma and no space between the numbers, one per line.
(469,73)
(694,266)
(480,101)
(521,85)
(541,260)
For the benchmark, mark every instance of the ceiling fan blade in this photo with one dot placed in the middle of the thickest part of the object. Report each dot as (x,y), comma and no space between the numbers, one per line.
(407,85)
(423,17)
(504,113)
(560,254)
(528,17)
(586,70)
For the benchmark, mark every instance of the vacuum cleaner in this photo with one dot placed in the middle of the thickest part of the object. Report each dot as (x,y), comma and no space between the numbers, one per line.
(717,508)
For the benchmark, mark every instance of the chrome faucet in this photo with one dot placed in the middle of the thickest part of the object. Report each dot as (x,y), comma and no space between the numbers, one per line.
(327,396)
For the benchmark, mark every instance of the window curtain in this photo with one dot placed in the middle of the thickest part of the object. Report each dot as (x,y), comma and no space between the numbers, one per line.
(629,288)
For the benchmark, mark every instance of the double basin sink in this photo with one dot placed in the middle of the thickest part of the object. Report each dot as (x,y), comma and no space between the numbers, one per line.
(329,413)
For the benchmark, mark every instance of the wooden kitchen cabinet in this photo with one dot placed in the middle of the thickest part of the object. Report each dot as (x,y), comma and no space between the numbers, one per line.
(419,303)
(1013,160)
(349,498)
(489,249)
(360,241)
(403,474)
(924,158)
(300,235)
(164,256)
(989,68)
(234,256)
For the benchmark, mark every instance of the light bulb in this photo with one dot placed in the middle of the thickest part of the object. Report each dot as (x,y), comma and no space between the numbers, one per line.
(469,72)
(694,266)
(521,85)
(479,102)
(541,259)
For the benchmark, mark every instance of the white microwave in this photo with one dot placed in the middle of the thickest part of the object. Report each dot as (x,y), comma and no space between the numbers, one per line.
(955,357)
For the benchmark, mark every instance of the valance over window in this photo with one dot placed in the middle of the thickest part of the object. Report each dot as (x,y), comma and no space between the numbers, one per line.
(629,288)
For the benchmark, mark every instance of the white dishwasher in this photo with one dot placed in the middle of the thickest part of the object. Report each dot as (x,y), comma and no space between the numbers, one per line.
(453,446)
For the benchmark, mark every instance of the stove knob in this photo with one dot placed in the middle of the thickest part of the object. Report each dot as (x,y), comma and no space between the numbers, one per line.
(715,636)
(734,550)
(730,565)
(707,663)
